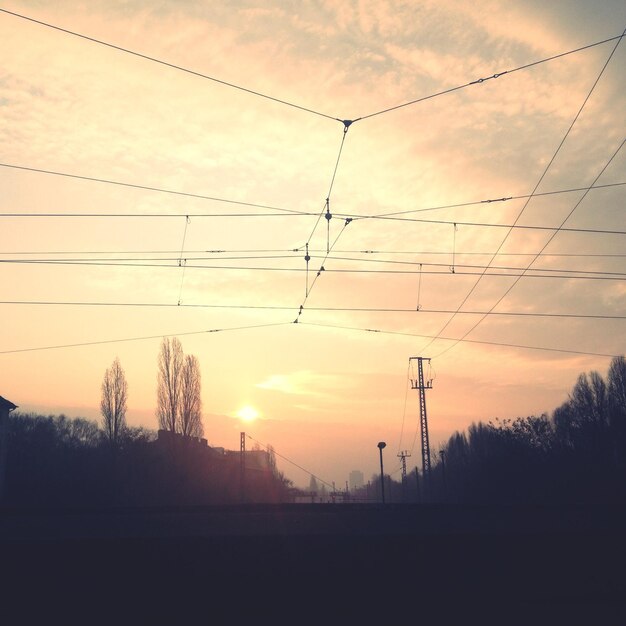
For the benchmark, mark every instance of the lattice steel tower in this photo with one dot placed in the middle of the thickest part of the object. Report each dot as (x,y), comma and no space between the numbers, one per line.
(403,457)
(421,385)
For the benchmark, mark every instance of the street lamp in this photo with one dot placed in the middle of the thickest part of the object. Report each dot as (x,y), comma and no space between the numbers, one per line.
(381,445)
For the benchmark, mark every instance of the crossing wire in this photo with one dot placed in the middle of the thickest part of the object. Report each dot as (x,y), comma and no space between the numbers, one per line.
(542,249)
(613,276)
(101,261)
(545,171)
(282,209)
(327,309)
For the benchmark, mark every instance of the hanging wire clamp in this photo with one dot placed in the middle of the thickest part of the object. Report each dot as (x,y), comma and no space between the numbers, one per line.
(346,125)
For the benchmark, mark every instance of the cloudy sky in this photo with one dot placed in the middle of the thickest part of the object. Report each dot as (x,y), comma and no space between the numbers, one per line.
(455,168)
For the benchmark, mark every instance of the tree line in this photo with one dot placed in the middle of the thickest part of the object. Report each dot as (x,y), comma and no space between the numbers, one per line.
(56,461)
(577,454)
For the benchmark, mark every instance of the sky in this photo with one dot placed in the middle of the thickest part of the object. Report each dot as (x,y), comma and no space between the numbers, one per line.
(454,170)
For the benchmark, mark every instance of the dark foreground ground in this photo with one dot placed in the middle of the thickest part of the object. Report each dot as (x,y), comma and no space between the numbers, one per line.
(359,559)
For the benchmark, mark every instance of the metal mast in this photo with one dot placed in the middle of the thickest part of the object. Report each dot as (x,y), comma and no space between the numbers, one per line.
(421,385)
(242,465)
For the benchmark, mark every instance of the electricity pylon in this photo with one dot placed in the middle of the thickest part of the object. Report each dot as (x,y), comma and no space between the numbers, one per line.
(421,385)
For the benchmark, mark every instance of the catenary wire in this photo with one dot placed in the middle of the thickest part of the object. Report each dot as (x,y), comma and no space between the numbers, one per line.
(510,288)
(347,216)
(494,76)
(171,65)
(536,187)
(326,207)
(269,251)
(256,268)
(491,200)
(489,343)
(289,461)
(285,210)
(179,259)
(143,338)
(327,309)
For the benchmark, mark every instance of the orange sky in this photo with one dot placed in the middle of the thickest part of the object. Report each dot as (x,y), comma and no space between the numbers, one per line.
(252,176)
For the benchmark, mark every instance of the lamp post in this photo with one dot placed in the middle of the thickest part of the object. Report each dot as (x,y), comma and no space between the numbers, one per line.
(381,445)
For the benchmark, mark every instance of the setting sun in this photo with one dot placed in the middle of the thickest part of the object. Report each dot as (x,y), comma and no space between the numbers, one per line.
(247,413)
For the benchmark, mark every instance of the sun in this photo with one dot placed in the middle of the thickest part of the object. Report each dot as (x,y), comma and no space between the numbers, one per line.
(247,413)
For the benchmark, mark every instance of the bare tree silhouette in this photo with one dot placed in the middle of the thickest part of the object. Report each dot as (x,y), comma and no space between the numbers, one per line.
(113,402)
(190,405)
(169,384)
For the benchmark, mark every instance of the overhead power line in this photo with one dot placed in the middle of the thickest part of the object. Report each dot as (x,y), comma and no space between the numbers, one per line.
(177,260)
(171,65)
(489,343)
(479,81)
(328,309)
(298,212)
(156,215)
(513,226)
(326,207)
(492,200)
(143,338)
(346,216)
(256,268)
(506,293)
(145,187)
(290,461)
(269,253)
(538,183)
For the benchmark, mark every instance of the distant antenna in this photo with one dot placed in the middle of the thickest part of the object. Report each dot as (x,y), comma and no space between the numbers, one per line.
(403,457)
(421,385)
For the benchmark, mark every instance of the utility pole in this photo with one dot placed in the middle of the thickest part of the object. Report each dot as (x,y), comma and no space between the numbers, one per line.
(242,465)
(381,445)
(403,457)
(421,385)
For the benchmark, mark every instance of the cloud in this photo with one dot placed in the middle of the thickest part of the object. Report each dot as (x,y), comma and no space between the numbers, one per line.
(302,383)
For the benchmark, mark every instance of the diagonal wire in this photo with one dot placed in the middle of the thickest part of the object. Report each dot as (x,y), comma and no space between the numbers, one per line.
(488,201)
(144,338)
(506,293)
(171,65)
(332,183)
(476,341)
(545,171)
(290,461)
(406,395)
(494,76)
(147,188)
(322,269)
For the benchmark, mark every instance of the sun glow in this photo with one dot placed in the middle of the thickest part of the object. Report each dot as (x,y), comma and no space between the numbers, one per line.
(247,413)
